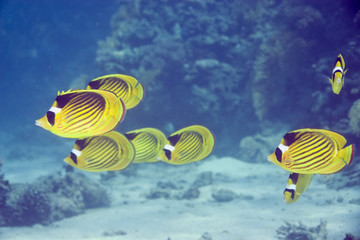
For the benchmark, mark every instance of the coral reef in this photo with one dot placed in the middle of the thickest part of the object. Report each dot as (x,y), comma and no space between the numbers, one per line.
(354,116)
(301,232)
(257,147)
(238,59)
(49,199)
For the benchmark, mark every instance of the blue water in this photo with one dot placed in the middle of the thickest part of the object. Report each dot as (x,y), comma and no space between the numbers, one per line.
(200,62)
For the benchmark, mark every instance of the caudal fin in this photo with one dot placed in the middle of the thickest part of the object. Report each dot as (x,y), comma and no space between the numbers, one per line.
(342,159)
(347,154)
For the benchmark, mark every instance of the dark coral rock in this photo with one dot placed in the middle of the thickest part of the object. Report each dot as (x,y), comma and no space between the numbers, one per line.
(114,233)
(301,232)
(206,236)
(158,193)
(349,236)
(355,201)
(170,190)
(204,179)
(166,185)
(191,193)
(224,195)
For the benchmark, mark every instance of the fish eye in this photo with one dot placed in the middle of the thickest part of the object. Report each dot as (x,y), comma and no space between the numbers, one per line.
(50,117)
(278,154)
(73,157)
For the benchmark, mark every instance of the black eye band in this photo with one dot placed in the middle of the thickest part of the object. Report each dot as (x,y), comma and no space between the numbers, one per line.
(73,157)
(278,154)
(51,117)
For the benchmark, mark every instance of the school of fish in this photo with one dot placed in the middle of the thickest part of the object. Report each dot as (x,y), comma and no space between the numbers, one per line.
(91,115)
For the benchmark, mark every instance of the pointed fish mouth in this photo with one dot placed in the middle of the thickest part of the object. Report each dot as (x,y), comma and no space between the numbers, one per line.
(38,123)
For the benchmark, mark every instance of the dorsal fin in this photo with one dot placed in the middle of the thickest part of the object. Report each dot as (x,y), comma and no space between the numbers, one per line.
(131,136)
(63,99)
(95,84)
(290,138)
(174,139)
(340,139)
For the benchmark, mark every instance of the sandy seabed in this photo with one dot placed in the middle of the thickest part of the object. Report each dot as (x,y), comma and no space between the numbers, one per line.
(133,215)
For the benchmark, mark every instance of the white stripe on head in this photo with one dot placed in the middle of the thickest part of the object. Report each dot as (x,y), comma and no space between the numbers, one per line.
(55,110)
(76,152)
(283,148)
(291,187)
(338,68)
(169,147)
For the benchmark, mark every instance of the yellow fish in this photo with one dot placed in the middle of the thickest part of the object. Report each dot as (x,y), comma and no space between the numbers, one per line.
(338,74)
(111,151)
(297,184)
(83,113)
(125,87)
(308,151)
(313,151)
(187,145)
(148,143)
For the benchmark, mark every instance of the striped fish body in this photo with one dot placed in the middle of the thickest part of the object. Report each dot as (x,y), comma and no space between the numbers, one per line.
(313,151)
(83,113)
(125,87)
(111,151)
(148,144)
(297,184)
(187,145)
(338,74)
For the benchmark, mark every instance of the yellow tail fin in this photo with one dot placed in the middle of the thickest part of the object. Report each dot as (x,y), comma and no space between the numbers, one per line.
(342,159)
(347,154)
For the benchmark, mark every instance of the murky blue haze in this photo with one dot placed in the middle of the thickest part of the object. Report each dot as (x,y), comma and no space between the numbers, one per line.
(248,70)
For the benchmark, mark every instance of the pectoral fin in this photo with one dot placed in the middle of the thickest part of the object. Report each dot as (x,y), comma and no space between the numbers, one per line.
(297,184)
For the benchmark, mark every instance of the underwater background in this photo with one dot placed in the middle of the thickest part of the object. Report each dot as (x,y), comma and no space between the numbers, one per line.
(250,71)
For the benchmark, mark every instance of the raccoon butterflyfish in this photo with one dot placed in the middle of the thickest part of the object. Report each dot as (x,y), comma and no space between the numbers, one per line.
(313,151)
(148,144)
(187,145)
(308,151)
(83,113)
(126,87)
(297,184)
(338,74)
(111,151)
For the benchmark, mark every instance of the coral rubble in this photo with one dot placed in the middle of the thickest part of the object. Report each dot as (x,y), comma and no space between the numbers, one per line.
(301,232)
(49,199)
